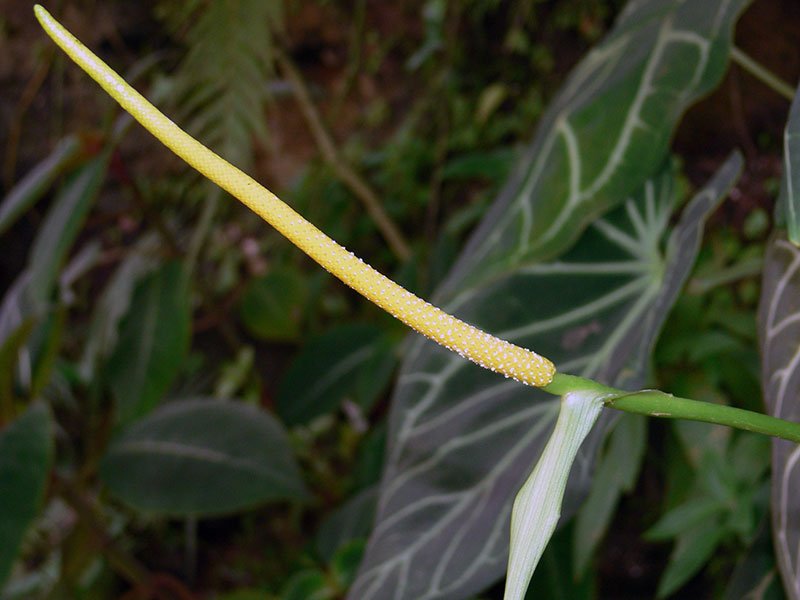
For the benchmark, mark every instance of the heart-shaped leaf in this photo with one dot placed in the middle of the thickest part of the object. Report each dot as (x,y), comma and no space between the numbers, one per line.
(606,132)
(462,439)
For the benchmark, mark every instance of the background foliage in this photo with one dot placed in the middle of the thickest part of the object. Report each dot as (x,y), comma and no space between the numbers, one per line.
(190,408)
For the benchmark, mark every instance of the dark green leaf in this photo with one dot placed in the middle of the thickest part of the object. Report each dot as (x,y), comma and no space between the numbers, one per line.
(553,579)
(307,585)
(348,362)
(272,305)
(789,200)
(463,439)
(691,552)
(345,563)
(26,452)
(756,577)
(33,186)
(60,228)
(369,464)
(14,310)
(779,331)
(153,341)
(606,132)
(749,457)
(493,165)
(202,457)
(351,521)
(617,472)
(684,517)
(45,345)
(717,477)
(113,303)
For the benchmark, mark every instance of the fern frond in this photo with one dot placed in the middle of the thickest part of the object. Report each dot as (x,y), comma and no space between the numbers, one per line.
(223,82)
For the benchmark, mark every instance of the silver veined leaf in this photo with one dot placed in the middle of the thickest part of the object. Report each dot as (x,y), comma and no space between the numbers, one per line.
(606,132)
(779,332)
(462,439)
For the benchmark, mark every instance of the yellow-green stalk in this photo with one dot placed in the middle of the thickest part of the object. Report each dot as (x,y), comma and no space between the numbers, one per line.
(468,341)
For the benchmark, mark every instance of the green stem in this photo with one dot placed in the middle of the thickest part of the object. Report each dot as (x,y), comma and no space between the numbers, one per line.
(659,404)
(761,73)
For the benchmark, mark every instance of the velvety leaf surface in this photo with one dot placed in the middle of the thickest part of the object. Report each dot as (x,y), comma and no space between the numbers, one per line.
(26,451)
(348,362)
(606,132)
(779,331)
(153,341)
(202,457)
(463,439)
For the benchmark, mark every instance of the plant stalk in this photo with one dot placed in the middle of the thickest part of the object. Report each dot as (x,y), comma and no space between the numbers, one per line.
(348,175)
(761,73)
(654,403)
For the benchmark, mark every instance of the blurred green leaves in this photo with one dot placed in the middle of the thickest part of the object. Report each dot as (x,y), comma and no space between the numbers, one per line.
(202,457)
(616,473)
(224,80)
(272,306)
(26,454)
(154,338)
(37,181)
(106,351)
(348,363)
(726,498)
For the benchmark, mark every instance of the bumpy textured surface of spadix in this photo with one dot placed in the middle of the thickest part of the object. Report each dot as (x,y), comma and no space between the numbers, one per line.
(470,342)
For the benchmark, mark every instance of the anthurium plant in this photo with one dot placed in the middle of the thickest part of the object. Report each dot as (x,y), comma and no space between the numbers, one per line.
(560,295)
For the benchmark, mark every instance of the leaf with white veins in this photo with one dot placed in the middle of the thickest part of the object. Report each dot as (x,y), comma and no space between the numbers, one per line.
(462,440)
(779,331)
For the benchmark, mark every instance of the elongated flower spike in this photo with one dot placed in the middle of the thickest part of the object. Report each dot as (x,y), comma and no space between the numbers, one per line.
(468,341)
